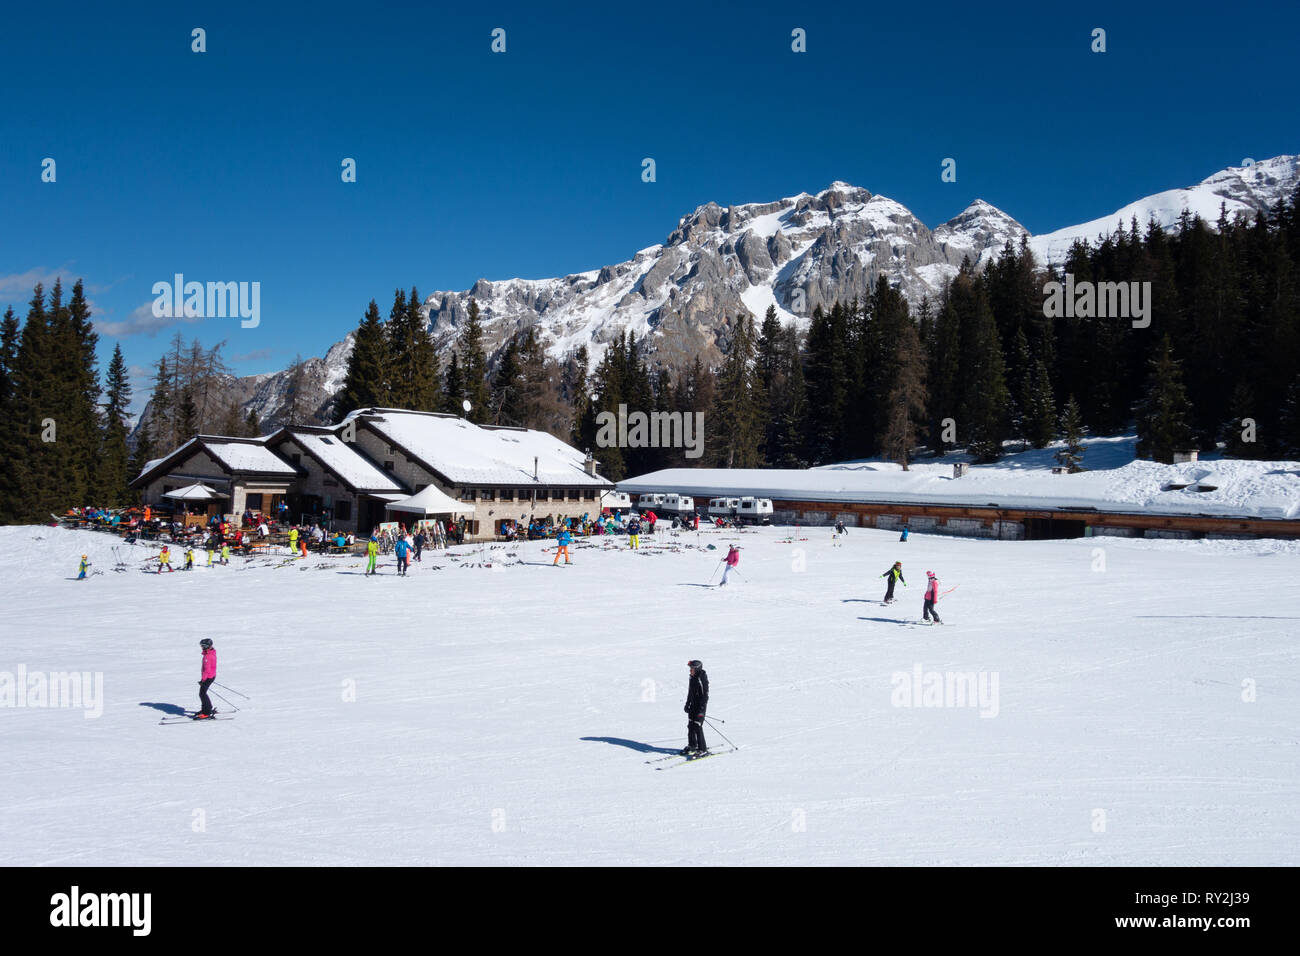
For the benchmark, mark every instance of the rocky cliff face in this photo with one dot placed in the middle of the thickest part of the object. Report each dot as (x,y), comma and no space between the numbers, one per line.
(685,294)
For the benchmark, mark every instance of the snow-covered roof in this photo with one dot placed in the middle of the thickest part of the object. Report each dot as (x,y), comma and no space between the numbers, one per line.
(247,456)
(343,460)
(1259,489)
(465,453)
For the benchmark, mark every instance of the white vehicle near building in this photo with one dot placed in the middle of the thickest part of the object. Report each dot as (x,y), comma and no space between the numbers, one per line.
(679,504)
(755,510)
(649,502)
(723,507)
(616,501)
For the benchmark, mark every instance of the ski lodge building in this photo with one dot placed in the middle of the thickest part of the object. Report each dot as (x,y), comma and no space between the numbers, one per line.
(347,474)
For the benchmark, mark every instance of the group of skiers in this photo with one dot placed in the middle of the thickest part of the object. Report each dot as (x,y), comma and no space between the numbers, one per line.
(895,575)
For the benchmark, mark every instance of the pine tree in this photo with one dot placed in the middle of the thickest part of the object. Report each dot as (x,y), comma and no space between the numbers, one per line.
(252,425)
(907,398)
(1072,428)
(397,385)
(734,428)
(114,455)
(453,388)
(1040,411)
(1164,416)
(983,385)
(507,399)
(473,366)
(364,383)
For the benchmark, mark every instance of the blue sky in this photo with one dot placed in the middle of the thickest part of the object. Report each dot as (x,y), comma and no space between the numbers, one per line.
(225,165)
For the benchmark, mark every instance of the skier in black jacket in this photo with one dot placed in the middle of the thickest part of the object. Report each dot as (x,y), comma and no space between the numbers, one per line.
(697,704)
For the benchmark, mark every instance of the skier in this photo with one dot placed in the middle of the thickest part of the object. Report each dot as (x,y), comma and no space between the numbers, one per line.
(634,533)
(893,574)
(81,569)
(838,533)
(903,536)
(372,552)
(189,559)
(293,539)
(419,544)
(225,553)
(730,561)
(400,549)
(697,703)
(211,546)
(165,560)
(931,596)
(562,546)
(206,677)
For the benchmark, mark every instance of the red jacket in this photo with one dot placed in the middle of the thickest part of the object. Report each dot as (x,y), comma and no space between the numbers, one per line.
(932,590)
(733,558)
(210,663)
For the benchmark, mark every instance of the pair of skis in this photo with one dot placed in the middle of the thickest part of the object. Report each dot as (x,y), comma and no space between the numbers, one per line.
(191,717)
(688,758)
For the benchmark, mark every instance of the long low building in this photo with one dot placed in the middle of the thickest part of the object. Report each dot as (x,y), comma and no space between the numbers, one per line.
(349,473)
(1230,498)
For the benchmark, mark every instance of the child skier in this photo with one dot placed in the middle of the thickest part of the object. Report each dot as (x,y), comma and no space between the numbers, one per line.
(893,574)
(225,553)
(730,561)
(562,546)
(165,560)
(903,536)
(372,555)
(189,559)
(81,569)
(931,596)
(634,533)
(206,677)
(839,532)
(399,550)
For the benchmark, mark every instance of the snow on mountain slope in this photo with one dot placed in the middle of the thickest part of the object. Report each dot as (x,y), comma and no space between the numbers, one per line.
(1240,189)
(514,724)
(684,295)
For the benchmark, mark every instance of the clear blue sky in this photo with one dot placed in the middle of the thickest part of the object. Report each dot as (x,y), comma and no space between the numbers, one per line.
(225,165)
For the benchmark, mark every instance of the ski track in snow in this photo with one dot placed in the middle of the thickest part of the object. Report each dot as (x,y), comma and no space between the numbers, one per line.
(532,700)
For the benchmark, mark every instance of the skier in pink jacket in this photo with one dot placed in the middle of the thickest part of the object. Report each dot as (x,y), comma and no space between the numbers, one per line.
(732,559)
(208,675)
(931,596)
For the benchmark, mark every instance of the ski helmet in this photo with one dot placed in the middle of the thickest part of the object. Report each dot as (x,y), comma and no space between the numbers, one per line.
(929,574)
(205,643)
(694,664)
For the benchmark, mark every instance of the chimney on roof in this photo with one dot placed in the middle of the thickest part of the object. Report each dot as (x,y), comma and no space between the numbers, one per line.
(589,466)
(534,468)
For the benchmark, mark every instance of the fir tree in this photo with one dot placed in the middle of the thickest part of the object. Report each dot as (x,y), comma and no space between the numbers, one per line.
(1072,428)
(1164,416)
(907,398)
(114,455)
(473,366)
(364,383)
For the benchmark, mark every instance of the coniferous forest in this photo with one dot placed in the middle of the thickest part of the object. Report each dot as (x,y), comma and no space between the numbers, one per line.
(980,366)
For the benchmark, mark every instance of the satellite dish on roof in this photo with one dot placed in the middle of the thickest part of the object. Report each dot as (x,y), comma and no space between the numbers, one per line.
(465,405)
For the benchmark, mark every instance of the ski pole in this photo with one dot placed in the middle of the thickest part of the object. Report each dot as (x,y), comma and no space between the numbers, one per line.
(714,572)
(233,691)
(226,702)
(721,734)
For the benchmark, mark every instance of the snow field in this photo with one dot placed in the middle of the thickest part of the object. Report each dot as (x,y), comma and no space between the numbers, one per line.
(478,716)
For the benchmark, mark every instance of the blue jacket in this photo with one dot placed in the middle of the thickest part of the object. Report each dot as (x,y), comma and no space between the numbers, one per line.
(564,539)
(400,548)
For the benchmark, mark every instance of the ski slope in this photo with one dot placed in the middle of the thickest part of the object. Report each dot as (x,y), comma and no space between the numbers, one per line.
(505,716)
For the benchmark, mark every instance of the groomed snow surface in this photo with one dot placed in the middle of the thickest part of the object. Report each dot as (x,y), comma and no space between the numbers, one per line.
(505,716)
